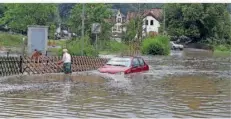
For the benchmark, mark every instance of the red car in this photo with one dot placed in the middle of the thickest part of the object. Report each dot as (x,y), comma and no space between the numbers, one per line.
(124,65)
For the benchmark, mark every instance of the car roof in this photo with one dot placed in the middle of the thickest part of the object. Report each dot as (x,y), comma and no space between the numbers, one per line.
(128,57)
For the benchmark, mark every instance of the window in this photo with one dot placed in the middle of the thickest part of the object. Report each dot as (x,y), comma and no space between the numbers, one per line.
(151,22)
(119,62)
(141,62)
(146,22)
(135,62)
(119,20)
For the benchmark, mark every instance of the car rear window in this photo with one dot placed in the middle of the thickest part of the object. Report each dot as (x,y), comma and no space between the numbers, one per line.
(119,62)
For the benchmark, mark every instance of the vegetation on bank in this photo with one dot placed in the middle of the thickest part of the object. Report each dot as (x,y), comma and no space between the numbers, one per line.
(10,40)
(74,47)
(113,47)
(158,45)
(222,48)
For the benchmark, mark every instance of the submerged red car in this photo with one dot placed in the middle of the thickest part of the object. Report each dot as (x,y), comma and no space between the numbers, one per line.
(124,65)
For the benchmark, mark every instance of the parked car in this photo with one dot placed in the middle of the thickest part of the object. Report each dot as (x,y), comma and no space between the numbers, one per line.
(124,65)
(175,46)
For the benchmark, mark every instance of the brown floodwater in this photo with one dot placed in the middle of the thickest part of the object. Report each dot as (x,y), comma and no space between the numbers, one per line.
(188,84)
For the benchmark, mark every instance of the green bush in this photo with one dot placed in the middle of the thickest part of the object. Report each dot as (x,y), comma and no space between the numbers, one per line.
(112,46)
(74,48)
(158,45)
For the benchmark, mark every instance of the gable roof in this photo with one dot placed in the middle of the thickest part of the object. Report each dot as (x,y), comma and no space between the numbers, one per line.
(115,12)
(156,13)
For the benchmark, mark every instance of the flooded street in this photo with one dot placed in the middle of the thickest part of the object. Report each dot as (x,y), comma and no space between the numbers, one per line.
(192,83)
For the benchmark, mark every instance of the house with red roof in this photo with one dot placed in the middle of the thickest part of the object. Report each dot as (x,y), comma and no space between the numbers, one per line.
(151,20)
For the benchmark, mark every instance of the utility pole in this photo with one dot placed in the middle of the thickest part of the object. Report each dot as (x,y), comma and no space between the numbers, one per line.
(82,40)
(164,20)
(138,33)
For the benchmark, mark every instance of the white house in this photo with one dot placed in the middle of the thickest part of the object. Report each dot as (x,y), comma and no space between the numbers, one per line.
(151,20)
(117,30)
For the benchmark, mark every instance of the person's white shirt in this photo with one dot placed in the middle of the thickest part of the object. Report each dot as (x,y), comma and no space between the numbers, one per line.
(66,58)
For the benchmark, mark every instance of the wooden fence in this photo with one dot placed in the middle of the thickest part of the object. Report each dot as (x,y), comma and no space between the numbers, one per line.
(21,65)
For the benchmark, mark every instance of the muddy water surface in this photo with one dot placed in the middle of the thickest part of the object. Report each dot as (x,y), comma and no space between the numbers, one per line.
(192,83)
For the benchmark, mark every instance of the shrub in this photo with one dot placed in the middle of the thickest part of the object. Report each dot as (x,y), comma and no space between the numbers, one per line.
(114,46)
(74,48)
(158,45)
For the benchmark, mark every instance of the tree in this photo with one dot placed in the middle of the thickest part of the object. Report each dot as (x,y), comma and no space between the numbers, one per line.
(134,28)
(94,13)
(2,10)
(64,10)
(19,16)
(199,21)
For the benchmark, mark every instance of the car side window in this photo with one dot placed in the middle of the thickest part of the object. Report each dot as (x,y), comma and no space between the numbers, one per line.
(141,62)
(135,62)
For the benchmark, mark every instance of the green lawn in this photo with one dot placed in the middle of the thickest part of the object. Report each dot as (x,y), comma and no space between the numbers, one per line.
(10,40)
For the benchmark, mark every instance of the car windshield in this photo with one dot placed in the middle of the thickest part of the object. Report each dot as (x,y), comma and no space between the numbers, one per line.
(119,62)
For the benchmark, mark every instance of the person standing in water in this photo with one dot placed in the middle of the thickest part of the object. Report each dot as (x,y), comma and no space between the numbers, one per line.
(66,60)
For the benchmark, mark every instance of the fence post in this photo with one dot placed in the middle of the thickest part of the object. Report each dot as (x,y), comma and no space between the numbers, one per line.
(7,54)
(20,65)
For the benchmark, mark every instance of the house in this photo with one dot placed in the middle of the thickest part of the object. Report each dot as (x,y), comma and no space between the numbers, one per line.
(118,19)
(151,20)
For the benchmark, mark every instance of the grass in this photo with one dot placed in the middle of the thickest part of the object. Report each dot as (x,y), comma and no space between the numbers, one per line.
(222,50)
(15,40)
(10,40)
(58,42)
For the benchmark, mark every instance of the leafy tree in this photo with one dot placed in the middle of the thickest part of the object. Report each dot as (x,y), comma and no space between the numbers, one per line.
(2,10)
(134,28)
(64,10)
(94,13)
(199,21)
(19,16)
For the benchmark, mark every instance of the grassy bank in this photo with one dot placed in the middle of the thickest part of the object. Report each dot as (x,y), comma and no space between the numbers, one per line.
(222,49)
(10,40)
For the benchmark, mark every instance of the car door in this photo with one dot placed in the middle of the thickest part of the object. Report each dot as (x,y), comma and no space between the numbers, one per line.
(135,65)
(143,65)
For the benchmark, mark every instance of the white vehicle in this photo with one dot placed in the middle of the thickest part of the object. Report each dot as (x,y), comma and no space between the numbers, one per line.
(176,46)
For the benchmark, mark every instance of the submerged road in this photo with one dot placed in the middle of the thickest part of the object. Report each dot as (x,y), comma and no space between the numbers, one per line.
(186,84)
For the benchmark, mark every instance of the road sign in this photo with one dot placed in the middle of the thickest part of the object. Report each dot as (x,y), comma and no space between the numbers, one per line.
(96,28)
